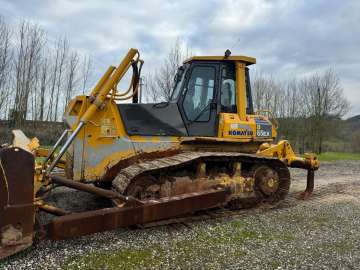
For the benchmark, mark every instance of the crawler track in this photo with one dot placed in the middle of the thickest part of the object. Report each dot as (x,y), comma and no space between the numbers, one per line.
(187,160)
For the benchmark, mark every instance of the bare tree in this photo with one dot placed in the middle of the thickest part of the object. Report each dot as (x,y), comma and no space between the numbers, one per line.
(306,107)
(53,82)
(28,52)
(5,65)
(44,81)
(63,47)
(71,77)
(36,80)
(265,91)
(34,93)
(86,72)
(150,90)
(324,100)
(161,82)
(57,79)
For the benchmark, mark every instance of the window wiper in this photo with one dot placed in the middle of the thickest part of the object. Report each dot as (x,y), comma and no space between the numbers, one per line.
(200,113)
(162,104)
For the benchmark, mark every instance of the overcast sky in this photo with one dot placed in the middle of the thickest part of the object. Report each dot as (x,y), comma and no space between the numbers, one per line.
(288,38)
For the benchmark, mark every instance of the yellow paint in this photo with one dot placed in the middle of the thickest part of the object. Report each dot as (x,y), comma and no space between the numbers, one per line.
(77,107)
(108,86)
(104,126)
(286,154)
(239,58)
(104,123)
(240,90)
(96,172)
(102,81)
(231,122)
(34,144)
(107,125)
(42,152)
(237,184)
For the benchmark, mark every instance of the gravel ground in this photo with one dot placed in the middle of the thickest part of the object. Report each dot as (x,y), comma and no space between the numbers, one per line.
(321,233)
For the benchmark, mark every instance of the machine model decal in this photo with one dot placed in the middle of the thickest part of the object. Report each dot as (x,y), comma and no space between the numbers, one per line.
(263,128)
(240,130)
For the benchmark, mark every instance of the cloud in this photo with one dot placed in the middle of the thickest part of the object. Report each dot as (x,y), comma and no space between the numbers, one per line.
(288,38)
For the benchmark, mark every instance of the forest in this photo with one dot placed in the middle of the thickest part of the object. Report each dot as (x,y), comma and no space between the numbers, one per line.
(38,75)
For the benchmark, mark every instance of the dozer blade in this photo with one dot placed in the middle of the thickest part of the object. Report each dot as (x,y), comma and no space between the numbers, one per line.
(16,200)
(105,219)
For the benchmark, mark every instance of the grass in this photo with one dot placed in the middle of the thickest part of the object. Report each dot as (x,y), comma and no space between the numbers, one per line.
(209,245)
(241,239)
(332,156)
(120,259)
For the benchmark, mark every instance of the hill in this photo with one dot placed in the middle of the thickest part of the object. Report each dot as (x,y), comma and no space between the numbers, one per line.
(353,122)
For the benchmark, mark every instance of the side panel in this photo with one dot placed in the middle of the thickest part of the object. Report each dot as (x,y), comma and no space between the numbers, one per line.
(254,128)
(232,127)
(102,162)
(104,147)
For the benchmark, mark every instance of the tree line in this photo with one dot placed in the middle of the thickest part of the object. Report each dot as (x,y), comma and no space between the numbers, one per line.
(38,76)
(309,108)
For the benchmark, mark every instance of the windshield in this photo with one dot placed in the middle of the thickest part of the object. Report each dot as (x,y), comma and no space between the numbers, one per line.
(179,77)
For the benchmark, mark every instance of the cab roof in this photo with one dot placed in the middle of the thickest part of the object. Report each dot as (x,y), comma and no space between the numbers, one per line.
(236,58)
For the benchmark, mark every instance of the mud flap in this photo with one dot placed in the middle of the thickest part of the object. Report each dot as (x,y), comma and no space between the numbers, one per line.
(17,213)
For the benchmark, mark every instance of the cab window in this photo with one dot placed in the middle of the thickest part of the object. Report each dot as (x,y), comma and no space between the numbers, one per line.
(199,94)
(228,93)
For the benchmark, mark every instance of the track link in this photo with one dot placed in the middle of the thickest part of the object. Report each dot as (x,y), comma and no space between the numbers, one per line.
(189,158)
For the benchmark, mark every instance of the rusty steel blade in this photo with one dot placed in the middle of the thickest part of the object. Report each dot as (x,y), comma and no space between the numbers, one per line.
(111,218)
(16,200)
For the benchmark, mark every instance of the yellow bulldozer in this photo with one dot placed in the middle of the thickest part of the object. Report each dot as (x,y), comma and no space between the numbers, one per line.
(203,148)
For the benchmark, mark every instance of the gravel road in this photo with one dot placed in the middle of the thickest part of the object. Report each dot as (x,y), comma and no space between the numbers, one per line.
(321,233)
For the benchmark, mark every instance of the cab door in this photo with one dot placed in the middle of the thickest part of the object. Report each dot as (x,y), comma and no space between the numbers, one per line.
(198,104)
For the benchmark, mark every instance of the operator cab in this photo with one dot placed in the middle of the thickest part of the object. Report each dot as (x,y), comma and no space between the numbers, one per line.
(207,89)
(204,87)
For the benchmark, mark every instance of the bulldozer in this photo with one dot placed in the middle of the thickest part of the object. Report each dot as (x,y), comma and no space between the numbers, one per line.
(205,147)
